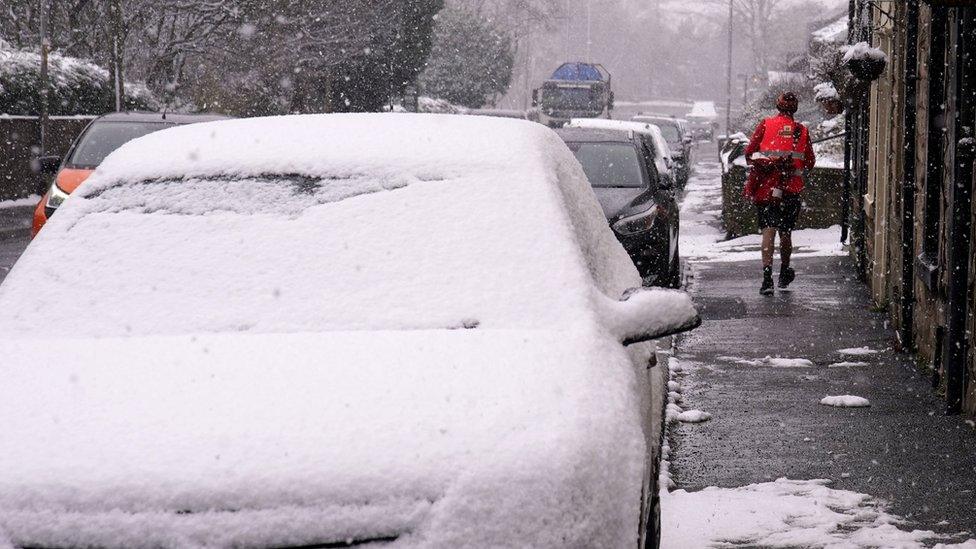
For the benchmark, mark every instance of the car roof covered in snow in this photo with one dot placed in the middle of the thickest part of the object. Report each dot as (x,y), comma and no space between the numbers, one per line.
(594,135)
(418,212)
(328,145)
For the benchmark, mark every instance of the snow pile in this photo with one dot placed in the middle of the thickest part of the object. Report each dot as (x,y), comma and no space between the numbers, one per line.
(825,91)
(845,401)
(301,330)
(694,416)
(863,51)
(858,351)
(786,514)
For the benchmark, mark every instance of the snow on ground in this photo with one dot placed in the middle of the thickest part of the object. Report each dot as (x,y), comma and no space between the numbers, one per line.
(702,237)
(845,401)
(858,351)
(694,416)
(20,202)
(774,362)
(847,364)
(787,514)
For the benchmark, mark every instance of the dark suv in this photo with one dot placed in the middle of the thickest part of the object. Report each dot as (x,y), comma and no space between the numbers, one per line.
(638,203)
(681,144)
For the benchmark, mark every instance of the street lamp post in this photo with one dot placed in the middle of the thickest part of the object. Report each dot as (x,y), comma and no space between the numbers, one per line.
(45,47)
(728,92)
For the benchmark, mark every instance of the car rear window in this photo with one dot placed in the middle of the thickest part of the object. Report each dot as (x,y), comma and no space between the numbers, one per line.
(104,137)
(610,164)
(671,133)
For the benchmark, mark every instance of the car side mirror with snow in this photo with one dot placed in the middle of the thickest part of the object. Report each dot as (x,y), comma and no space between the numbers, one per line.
(645,314)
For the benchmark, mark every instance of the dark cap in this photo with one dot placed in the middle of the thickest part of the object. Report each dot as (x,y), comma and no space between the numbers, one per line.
(787,103)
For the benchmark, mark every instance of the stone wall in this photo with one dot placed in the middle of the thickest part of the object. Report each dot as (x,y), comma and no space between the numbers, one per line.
(19,145)
(821,201)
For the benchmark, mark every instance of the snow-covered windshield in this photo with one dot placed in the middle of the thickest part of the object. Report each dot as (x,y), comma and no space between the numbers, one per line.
(291,253)
(609,164)
(104,137)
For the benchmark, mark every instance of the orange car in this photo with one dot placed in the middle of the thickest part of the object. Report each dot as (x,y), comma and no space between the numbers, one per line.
(102,136)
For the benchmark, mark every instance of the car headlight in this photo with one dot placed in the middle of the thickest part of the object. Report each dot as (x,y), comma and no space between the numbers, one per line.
(638,223)
(55,196)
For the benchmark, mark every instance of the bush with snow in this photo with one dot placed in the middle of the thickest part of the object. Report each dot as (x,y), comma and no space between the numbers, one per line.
(76,86)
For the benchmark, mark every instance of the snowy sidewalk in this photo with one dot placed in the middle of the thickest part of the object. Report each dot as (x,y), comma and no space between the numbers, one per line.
(761,367)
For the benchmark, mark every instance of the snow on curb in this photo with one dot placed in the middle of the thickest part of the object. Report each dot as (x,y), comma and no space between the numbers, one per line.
(845,401)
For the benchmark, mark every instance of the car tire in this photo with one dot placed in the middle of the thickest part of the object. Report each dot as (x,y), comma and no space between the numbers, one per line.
(654,520)
(651,520)
(674,272)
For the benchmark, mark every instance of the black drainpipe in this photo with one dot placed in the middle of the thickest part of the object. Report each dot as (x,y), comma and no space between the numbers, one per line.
(909,188)
(961,212)
(849,136)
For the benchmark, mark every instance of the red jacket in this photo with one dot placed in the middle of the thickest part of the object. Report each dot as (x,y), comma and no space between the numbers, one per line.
(777,138)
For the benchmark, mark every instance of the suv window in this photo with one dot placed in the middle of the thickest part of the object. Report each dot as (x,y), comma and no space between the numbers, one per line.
(102,138)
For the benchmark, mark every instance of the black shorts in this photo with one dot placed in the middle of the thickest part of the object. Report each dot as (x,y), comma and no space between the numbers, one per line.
(781,215)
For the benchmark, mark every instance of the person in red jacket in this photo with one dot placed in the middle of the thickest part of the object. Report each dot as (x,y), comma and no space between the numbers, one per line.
(779,152)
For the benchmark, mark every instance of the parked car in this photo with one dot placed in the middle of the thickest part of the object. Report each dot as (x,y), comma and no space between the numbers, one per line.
(638,203)
(652,136)
(102,136)
(680,144)
(703,120)
(333,330)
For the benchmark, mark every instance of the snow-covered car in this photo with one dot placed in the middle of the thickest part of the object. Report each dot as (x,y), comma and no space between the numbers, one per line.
(641,210)
(681,145)
(656,142)
(331,330)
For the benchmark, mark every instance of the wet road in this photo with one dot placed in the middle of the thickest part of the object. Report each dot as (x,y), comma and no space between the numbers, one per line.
(14,236)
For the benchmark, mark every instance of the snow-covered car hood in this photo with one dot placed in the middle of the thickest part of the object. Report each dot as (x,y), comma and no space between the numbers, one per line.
(258,440)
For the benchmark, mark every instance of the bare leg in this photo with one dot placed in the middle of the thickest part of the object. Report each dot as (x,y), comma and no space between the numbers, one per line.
(785,248)
(768,244)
